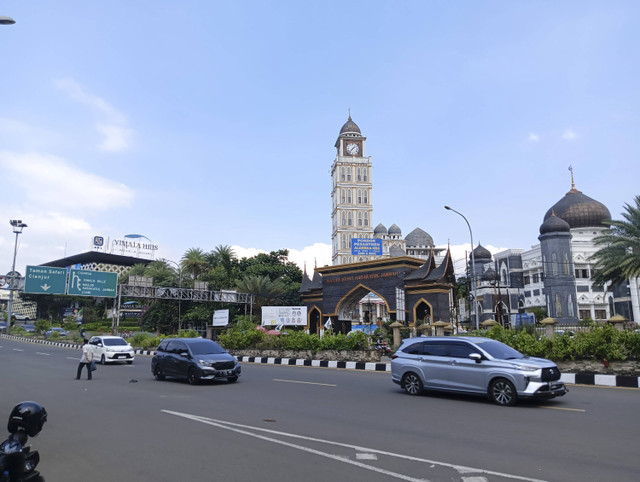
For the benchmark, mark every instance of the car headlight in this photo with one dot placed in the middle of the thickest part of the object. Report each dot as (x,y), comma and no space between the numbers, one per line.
(526,368)
(204,363)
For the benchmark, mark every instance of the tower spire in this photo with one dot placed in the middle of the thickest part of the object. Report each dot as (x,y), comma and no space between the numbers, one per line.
(573,184)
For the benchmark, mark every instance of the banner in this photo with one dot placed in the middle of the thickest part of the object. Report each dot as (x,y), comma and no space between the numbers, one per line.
(284,315)
(220,318)
(366,247)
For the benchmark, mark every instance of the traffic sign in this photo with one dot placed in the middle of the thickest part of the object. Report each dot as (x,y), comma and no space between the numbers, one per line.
(46,280)
(83,282)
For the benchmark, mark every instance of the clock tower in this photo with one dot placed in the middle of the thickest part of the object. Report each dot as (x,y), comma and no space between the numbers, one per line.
(351,203)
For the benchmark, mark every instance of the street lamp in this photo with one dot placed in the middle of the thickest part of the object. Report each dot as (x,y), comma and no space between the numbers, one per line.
(473,268)
(6,20)
(18,225)
(165,260)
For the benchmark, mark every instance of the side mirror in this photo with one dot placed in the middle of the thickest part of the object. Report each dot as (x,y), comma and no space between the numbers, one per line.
(99,344)
(184,354)
(476,356)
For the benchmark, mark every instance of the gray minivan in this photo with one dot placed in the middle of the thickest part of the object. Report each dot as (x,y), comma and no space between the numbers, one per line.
(474,365)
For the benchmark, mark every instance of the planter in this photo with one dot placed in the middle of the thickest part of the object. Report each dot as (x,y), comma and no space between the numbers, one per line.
(372,356)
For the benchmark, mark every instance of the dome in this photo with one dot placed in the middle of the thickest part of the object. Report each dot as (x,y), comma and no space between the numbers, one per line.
(380,229)
(394,229)
(554,224)
(580,211)
(350,127)
(396,251)
(489,275)
(481,253)
(418,237)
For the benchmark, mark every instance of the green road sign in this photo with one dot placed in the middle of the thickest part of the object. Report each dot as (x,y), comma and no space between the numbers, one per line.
(45,280)
(92,283)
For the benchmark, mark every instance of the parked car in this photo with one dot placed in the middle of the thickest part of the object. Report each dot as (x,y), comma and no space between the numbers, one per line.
(20,317)
(111,349)
(3,326)
(55,329)
(28,328)
(474,365)
(195,359)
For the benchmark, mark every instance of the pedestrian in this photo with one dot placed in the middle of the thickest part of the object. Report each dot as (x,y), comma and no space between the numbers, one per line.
(85,360)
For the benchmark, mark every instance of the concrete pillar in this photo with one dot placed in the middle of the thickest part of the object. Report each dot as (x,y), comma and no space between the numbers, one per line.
(396,325)
(618,321)
(548,324)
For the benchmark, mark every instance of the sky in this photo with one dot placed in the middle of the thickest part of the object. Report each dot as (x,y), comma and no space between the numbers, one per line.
(207,123)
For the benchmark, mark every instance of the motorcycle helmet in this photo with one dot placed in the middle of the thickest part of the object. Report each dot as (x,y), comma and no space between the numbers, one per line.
(30,416)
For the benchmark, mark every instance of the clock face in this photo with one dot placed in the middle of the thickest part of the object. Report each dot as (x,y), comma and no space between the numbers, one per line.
(352,148)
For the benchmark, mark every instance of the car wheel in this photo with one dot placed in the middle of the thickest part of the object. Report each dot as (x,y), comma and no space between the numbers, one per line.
(158,373)
(192,376)
(503,392)
(412,384)
(103,360)
(232,379)
(129,362)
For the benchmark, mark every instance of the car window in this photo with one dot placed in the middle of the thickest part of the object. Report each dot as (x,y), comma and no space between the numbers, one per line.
(414,349)
(179,347)
(499,350)
(170,347)
(163,345)
(94,341)
(205,347)
(114,342)
(461,350)
(435,349)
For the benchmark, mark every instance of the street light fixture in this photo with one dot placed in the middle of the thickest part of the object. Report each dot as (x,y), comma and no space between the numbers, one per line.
(473,268)
(18,226)
(6,20)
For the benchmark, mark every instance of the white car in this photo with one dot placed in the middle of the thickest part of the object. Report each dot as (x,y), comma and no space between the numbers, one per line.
(111,349)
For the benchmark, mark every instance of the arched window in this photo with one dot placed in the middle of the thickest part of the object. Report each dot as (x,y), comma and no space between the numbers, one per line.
(359,219)
(344,219)
(565,265)
(359,196)
(366,196)
(348,174)
(359,174)
(570,306)
(365,174)
(342,196)
(348,196)
(558,306)
(342,174)
(366,219)
(344,240)
(349,219)
(344,260)
(554,264)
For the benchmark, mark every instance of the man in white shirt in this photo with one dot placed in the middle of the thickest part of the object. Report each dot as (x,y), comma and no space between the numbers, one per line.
(87,358)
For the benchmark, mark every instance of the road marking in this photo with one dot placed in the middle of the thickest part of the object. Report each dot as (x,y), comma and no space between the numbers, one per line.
(563,408)
(42,353)
(243,429)
(366,457)
(72,358)
(18,349)
(305,383)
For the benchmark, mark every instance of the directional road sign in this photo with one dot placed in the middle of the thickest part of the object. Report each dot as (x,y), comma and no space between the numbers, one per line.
(92,283)
(46,280)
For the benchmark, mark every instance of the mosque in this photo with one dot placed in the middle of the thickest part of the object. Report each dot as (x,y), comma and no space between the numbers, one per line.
(554,275)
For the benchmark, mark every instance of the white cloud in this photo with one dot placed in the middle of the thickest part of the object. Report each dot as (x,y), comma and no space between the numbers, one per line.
(533,137)
(51,182)
(569,135)
(113,124)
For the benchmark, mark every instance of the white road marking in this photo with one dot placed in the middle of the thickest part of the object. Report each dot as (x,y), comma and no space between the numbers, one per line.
(72,358)
(366,457)
(305,383)
(18,349)
(42,353)
(231,426)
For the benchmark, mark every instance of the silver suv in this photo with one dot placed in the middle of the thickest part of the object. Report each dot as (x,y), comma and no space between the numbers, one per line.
(474,365)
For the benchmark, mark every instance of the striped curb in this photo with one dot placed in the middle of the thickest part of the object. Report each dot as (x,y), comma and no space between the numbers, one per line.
(580,378)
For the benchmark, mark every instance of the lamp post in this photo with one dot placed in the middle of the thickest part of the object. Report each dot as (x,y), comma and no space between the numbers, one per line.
(165,260)
(18,225)
(6,20)
(473,268)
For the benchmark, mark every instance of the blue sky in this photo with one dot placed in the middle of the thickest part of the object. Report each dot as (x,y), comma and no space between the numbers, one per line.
(201,123)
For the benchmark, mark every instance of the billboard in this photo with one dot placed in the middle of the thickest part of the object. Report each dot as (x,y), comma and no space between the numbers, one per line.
(284,315)
(366,247)
(220,318)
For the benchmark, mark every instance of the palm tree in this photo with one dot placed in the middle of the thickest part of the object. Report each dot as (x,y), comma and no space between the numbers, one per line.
(264,289)
(194,261)
(222,256)
(619,258)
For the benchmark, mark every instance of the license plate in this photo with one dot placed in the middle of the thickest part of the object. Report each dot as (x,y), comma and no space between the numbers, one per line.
(224,373)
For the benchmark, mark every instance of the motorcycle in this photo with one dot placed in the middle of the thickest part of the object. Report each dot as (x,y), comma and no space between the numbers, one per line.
(383,347)
(17,461)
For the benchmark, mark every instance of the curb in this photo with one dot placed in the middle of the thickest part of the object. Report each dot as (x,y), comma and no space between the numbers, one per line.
(580,378)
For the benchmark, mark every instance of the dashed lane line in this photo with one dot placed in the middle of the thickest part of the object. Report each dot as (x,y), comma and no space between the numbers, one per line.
(304,383)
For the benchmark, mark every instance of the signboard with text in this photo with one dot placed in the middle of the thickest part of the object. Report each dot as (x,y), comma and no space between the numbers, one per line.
(83,282)
(45,280)
(366,247)
(284,315)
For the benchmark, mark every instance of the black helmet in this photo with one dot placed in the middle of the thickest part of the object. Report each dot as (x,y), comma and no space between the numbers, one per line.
(29,416)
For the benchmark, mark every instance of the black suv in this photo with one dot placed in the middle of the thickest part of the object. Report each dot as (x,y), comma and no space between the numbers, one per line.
(194,359)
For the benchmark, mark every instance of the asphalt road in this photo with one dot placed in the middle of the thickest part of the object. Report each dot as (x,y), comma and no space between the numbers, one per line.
(287,423)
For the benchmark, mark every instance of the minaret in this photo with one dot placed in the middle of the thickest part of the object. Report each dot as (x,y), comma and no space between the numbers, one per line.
(351,189)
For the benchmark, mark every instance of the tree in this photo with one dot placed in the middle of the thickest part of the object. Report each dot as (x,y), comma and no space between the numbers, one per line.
(194,261)
(266,291)
(619,257)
